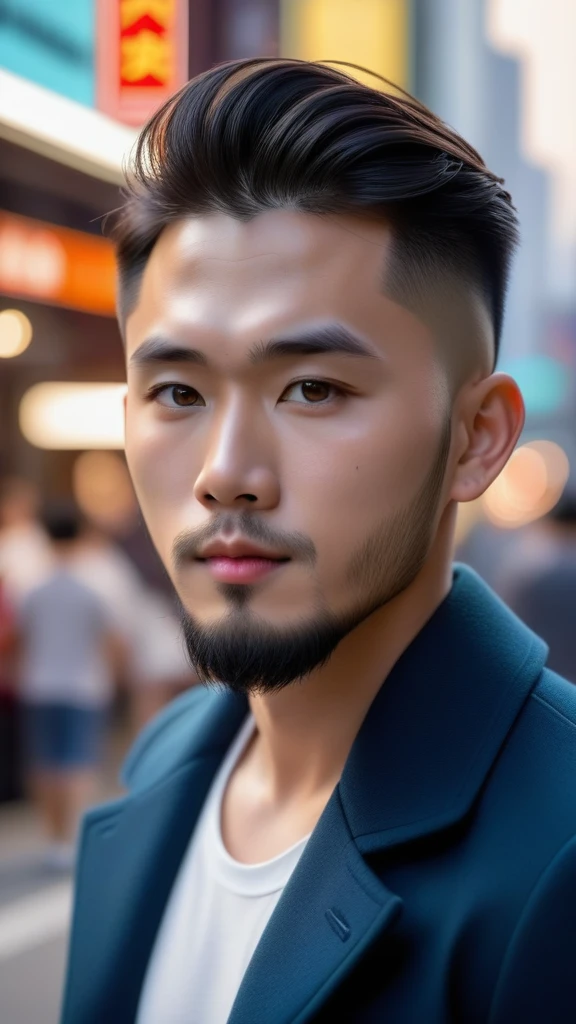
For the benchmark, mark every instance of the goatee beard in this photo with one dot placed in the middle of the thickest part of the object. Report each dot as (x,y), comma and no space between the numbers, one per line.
(251,656)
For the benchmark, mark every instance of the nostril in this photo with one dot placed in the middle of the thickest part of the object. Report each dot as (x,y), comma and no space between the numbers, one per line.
(248,497)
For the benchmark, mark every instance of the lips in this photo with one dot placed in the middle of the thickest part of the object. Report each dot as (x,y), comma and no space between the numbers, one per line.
(238,549)
(239,561)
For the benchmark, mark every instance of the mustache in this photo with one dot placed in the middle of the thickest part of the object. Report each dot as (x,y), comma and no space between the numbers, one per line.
(189,543)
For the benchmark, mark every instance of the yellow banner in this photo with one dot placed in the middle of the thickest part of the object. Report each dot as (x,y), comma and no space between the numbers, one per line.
(373,33)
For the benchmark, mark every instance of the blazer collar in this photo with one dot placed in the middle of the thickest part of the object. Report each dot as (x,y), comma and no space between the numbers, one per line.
(438,722)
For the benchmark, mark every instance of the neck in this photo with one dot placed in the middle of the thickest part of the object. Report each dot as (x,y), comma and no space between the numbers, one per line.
(306,730)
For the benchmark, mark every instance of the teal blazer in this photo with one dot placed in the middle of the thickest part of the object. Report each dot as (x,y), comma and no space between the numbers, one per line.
(439,885)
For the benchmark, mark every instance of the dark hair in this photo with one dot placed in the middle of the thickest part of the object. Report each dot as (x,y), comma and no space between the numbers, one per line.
(253,135)
(62,521)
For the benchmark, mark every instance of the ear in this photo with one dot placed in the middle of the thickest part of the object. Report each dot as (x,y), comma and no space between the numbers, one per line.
(490,417)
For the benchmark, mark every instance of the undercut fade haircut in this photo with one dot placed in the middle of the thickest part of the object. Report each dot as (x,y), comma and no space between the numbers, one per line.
(256,135)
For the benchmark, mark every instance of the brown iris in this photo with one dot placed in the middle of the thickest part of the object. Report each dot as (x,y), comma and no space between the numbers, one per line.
(184,396)
(315,390)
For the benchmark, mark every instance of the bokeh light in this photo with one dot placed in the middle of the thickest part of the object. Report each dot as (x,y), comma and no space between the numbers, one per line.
(103,490)
(529,486)
(15,333)
(63,415)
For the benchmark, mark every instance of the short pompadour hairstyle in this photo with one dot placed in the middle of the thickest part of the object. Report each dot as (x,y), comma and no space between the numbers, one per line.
(254,135)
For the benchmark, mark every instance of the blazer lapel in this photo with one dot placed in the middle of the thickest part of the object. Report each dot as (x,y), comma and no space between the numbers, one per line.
(131,850)
(332,909)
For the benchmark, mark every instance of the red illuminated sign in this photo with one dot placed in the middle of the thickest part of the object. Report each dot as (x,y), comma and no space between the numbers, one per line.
(141,55)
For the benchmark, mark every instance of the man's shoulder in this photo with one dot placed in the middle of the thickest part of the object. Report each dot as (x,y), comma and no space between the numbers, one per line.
(534,852)
(556,697)
(166,741)
(542,743)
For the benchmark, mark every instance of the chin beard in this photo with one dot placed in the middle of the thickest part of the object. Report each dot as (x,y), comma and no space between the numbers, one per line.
(250,656)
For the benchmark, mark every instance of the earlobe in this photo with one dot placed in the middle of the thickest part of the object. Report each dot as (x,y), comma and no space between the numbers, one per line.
(493,416)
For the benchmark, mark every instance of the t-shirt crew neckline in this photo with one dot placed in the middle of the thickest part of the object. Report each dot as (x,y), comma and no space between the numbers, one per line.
(249,880)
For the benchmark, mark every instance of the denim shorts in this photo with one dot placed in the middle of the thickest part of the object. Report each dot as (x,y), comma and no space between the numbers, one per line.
(58,735)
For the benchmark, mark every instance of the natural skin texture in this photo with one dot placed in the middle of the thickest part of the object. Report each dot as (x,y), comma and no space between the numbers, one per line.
(354,477)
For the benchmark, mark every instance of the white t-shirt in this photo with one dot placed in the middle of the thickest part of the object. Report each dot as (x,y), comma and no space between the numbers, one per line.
(214,918)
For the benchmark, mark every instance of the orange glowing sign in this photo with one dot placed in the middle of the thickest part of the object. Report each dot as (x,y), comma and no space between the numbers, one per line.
(56,265)
(141,55)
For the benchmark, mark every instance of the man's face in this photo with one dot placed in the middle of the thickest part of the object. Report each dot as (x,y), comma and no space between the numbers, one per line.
(279,402)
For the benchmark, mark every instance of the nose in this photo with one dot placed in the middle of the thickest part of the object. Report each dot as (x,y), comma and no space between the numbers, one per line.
(239,467)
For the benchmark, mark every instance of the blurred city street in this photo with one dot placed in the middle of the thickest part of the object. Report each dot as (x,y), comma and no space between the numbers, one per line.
(90,632)
(34,918)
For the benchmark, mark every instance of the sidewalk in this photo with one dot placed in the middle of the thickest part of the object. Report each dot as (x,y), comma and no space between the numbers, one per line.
(19,831)
(34,921)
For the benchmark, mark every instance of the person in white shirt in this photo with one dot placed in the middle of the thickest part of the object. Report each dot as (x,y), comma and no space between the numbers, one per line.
(155,666)
(26,557)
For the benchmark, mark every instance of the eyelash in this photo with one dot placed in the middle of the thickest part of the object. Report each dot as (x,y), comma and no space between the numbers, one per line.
(338,392)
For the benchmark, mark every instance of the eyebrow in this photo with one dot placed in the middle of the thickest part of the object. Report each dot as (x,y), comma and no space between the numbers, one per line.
(316,341)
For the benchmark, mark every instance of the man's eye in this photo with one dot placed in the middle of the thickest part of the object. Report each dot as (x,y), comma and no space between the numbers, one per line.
(310,392)
(176,396)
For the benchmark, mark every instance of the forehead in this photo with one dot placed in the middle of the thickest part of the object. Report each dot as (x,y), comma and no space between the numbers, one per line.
(282,268)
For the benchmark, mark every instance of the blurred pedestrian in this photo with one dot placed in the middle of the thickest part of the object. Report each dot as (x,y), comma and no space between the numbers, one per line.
(539,583)
(155,668)
(160,669)
(67,645)
(103,567)
(6,633)
(25,553)
(10,782)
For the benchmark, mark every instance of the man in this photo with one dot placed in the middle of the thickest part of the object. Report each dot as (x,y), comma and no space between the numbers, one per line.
(368,814)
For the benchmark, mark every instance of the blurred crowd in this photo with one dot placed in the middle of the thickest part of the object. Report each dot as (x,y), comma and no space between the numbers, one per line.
(533,569)
(89,645)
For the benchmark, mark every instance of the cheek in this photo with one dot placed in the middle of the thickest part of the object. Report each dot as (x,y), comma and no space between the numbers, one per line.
(153,454)
(348,483)
(355,494)
(163,476)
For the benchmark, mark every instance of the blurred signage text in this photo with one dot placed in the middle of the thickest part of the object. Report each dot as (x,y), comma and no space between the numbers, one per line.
(56,265)
(141,56)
